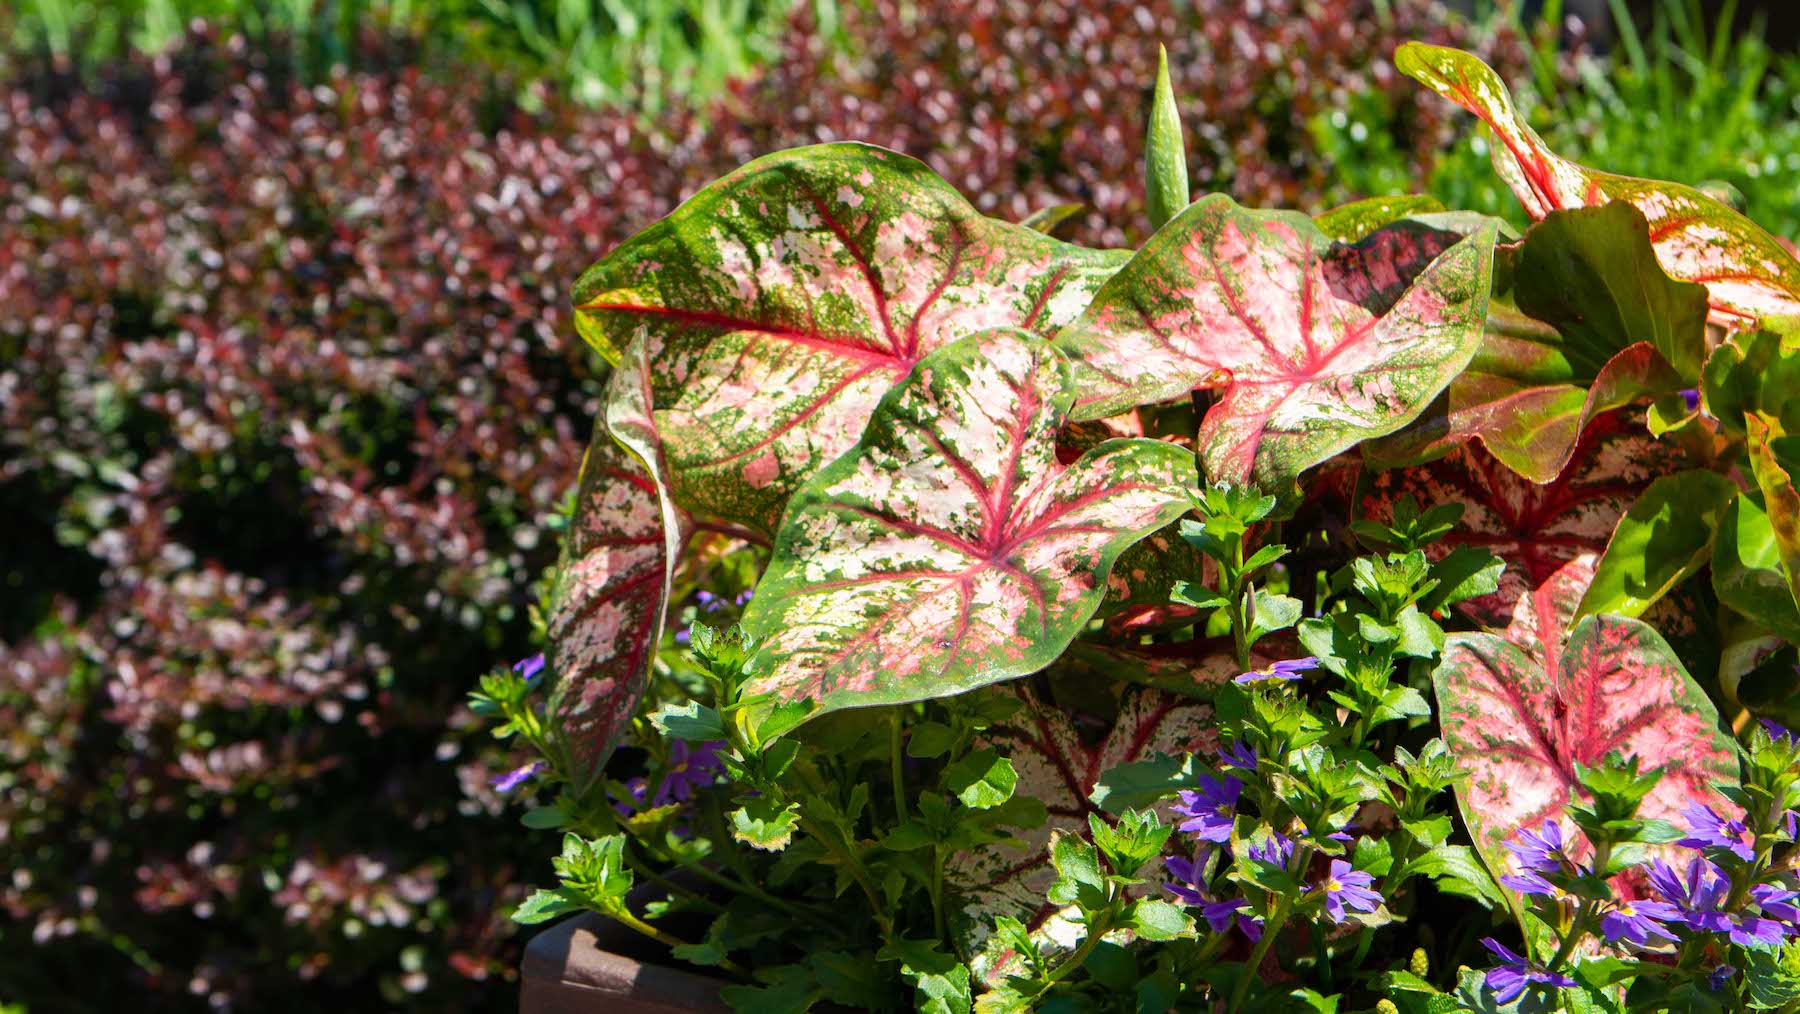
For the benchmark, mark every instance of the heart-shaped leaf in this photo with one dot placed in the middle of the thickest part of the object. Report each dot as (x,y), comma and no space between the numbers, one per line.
(1057,764)
(1316,345)
(1665,538)
(612,585)
(1747,273)
(1550,536)
(949,549)
(778,304)
(1519,730)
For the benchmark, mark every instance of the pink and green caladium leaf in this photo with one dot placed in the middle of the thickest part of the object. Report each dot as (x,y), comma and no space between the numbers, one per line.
(1315,345)
(778,304)
(1348,223)
(1618,329)
(611,588)
(1747,273)
(949,549)
(1551,536)
(1519,729)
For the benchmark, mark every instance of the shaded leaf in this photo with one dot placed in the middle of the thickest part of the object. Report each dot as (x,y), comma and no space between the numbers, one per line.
(611,589)
(1665,538)
(1520,730)
(1747,273)
(1747,572)
(982,779)
(1316,345)
(779,303)
(949,549)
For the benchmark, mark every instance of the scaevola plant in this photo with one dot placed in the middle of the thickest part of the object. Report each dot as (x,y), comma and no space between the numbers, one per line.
(1369,611)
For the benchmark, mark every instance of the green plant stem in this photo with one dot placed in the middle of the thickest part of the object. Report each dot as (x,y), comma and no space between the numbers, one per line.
(1242,989)
(1096,931)
(937,892)
(1240,632)
(897,769)
(632,921)
(858,872)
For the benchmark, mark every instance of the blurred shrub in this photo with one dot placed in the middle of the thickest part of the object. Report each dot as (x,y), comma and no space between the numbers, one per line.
(288,400)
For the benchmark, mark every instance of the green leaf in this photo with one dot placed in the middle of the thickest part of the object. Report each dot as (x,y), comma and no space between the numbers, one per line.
(802,287)
(1465,572)
(1078,877)
(693,721)
(784,717)
(1780,500)
(545,818)
(1665,538)
(1138,784)
(950,549)
(1270,612)
(542,906)
(1755,372)
(981,779)
(786,989)
(1050,221)
(1165,151)
(765,824)
(1457,870)
(1772,978)
(941,983)
(1592,274)
(1746,272)
(1747,571)
(930,739)
(1315,346)
(1155,919)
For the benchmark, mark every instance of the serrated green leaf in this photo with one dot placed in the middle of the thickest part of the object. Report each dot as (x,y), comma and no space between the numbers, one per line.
(981,779)
(693,721)
(763,823)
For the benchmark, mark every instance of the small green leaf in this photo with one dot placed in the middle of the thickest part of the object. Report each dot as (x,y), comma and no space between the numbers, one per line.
(545,818)
(1165,151)
(941,982)
(1271,612)
(1155,919)
(1664,538)
(542,906)
(782,718)
(930,739)
(764,824)
(1349,223)
(982,779)
(1078,877)
(1138,784)
(693,721)
(1747,572)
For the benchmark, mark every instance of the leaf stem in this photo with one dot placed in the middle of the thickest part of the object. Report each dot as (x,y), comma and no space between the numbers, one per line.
(897,769)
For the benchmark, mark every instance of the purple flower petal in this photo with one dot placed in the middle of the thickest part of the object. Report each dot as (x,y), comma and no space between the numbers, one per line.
(516,777)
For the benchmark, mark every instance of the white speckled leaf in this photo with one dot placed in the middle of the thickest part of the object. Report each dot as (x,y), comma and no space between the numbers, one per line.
(612,586)
(1746,272)
(1316,345)
(1519,731)
(949,549)
(1057,765)
(1550,536)
(778,304)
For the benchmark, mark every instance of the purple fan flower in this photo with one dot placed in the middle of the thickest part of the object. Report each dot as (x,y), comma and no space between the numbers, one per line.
(1530,882)
(1343,835)
(529,668)
(1240,756)
(1692,397)
(1720,976)
(1210,809)
(1218,914)
(1776,730)
(744,597)
(1709,830)
(1287,670)
(516,777)
(1698,894)
(1276,851)
(1348,888)
(690,768)
(1540,850)
(1638,921)
(1750,930)
(708,601)
(1776,902)
(1252,925)
(1509,978)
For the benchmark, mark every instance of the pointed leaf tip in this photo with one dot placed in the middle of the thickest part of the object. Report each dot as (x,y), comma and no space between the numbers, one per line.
(1165,150)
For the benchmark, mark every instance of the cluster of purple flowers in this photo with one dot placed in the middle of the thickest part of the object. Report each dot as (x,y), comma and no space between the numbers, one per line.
(1691,899)
(1210,813)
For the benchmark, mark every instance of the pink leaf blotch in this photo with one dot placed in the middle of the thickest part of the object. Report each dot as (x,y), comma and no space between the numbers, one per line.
(779,303)
(1746,272)
(949,549)
(612,587)
(1315,344)
(1519,730)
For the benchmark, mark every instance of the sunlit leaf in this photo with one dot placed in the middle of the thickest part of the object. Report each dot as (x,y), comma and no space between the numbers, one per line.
(1315,345)
(778,304)
(1747,572)
(612,585)
(1665,538)
(1519,730)
(1780,500)
(949,549)
(1348,223)
(1747,273)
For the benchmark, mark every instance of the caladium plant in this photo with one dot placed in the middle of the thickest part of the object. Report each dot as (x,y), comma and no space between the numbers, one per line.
(1104,628)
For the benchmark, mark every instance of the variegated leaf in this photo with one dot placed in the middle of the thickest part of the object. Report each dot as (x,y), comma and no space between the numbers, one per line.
(949,549)
(778,304)
(1550,536)
(1746,272)
(1316,345)
(1519,730)
(1060,766)
(612,586)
